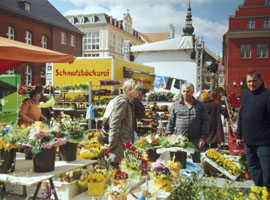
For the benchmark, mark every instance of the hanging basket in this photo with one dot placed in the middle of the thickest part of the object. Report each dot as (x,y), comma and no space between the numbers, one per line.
(68,151)
(45,160)
(7,160)
(152,155)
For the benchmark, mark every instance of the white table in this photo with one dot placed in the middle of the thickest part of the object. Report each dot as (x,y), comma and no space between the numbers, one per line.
(24,174)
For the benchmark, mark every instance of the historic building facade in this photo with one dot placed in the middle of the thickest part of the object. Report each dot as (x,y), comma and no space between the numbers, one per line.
(246,44)
(38,23)
(105,35)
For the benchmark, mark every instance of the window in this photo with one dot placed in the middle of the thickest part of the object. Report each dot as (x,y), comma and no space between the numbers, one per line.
(91,41)
(266,22)
(120,45)
(63,38)
(28,75)
(44,42)
(112,42)
(28,37)
(27,6)
(220,80)
(91,55)
(220,72)
(72,40)
(266,2)
(245,51)
(262,50)
(251,23)
(10,33)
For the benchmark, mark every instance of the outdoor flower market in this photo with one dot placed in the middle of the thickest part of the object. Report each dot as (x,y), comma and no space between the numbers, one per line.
(151,167)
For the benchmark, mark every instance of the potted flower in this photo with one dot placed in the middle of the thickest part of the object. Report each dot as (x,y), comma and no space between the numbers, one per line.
(132,161)
(96,184)
(43,141)
(149,144)
(120,177)
(10,137)
(117,192)
(162,177)
(72,130)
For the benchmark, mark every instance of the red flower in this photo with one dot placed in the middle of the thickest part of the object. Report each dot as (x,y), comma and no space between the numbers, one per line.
(58,135)
(41,134)
(126,145)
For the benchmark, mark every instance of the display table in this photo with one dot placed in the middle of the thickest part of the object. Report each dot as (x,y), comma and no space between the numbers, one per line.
(24,174)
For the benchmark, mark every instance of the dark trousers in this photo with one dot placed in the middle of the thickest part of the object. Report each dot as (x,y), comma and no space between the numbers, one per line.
(196,157)
(258,158)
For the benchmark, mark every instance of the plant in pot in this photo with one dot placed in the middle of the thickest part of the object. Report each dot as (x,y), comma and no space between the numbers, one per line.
(117,192)
(73,131)
(43,141)
(10,138)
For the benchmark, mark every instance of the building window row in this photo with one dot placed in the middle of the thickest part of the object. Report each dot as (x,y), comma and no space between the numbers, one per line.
(83,20)
(265,23)
(261,51)
(266,2)
(91,41)
(63,39)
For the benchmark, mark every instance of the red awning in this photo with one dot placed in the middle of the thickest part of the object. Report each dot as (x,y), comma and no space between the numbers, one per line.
(13,53)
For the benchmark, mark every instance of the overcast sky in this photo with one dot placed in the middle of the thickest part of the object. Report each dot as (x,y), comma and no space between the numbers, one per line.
(210,17)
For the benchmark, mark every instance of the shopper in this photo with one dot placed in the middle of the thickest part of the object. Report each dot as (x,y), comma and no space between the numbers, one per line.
(254,128)
(30,112)
(121,120)
(189,118)
(47,112)
(216,134)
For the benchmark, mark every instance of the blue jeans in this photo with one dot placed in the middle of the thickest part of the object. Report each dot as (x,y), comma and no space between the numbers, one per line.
(196,157)
(258,158)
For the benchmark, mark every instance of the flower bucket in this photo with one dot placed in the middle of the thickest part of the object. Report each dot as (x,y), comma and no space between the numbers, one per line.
(180,157)
(96,189)
(117,197)
(7,160)
(152,155)
(28,153)
(45,160)
(162,183)
(68,151)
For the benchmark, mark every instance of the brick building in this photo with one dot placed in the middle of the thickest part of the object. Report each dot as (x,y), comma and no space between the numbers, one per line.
(38,23)
(246,44)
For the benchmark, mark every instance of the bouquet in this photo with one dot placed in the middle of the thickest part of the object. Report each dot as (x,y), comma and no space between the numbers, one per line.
(41,136)
(149,142)
(69,128)
(120,177)
(11,136)
(25,89)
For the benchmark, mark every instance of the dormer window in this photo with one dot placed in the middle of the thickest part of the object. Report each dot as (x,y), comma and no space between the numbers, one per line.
(266,2)
(27,6)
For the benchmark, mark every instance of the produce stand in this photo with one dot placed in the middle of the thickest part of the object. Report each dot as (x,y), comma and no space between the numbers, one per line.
(24,174)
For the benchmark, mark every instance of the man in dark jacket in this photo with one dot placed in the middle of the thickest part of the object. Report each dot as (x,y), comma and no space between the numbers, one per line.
(254,128)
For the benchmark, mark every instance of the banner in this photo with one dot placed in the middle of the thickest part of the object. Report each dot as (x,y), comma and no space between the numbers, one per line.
(160,82)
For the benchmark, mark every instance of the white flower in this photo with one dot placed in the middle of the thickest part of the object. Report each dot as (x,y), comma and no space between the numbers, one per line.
(34,132)
(148,139)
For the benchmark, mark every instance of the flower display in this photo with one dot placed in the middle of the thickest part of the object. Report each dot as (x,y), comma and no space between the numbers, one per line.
(41,136)
(95,177)
(117,190)
(11,136)
(25,89)
(67,127)
(177,141)
(162,177)
(69,176)
(227,164)
(133,160)
(148,142)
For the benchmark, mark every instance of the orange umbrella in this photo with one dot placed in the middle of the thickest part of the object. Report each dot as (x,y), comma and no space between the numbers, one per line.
(13,53)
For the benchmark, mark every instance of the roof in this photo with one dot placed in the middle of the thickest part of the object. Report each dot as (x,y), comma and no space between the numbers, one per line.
(41,10)
(154,37)
(179,43)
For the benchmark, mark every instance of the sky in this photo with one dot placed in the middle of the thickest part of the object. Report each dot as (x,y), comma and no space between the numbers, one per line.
(210,17)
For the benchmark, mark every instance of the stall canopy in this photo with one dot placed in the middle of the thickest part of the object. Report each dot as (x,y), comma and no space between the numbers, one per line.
(13,53)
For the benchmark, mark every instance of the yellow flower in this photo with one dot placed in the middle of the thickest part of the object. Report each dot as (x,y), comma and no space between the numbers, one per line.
(252,196)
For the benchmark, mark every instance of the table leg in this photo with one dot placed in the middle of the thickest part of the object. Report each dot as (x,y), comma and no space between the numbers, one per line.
(53,188)
(2,190)
(36,191)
